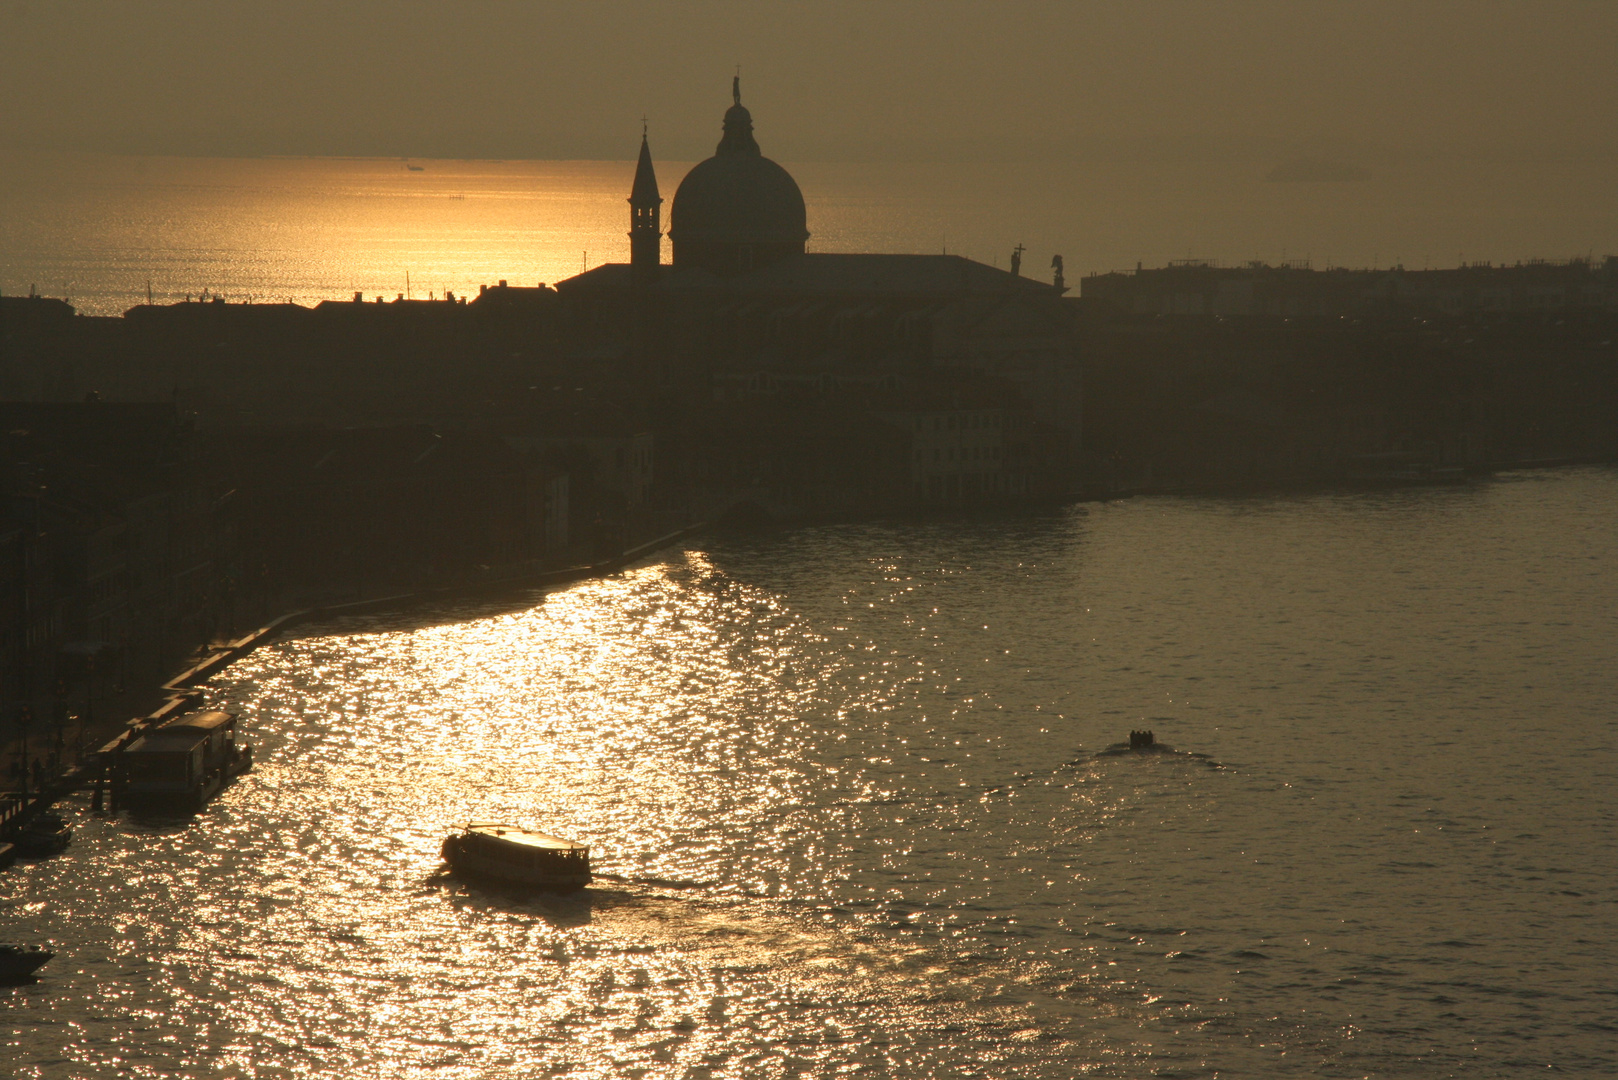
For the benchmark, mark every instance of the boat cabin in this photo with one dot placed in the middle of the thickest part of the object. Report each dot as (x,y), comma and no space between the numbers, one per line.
(215,729)
(510,842)
(181,755)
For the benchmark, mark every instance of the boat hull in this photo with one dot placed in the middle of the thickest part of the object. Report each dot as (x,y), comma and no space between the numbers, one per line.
(187,799)
(45,836)
(19,962)
(468,863)
(177,799)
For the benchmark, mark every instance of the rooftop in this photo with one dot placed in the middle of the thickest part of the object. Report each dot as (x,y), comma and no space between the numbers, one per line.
(827,273)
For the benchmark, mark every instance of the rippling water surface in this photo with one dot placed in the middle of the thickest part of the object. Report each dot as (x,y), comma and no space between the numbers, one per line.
(844,787)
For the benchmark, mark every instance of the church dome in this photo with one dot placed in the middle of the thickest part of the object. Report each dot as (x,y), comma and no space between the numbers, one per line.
(738,209)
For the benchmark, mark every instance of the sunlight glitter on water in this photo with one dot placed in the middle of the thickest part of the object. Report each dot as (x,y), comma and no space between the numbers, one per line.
(652,714)
(844,789)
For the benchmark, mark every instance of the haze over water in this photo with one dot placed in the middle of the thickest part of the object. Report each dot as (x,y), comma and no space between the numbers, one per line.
(845,787)
(97,228)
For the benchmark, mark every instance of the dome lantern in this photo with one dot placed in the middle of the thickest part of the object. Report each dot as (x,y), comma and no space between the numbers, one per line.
(738,137)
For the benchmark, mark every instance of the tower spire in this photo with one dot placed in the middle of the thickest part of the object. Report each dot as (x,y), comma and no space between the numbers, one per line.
(645,214)
(736,86)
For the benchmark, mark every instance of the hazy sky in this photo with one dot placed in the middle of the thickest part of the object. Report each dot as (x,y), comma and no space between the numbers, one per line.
(943,79)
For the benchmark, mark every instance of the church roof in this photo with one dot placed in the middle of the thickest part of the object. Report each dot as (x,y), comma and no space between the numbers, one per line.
(835,274)
(738,196)
(897,274)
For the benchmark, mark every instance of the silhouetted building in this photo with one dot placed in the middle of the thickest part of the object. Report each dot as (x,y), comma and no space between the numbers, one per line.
(119,547)
(745,315)
(738,210)
(393,507)
(965,454)
(1293,290)
(645,217)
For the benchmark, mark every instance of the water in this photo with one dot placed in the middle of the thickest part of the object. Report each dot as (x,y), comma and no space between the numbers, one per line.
(844,786)
(100,229)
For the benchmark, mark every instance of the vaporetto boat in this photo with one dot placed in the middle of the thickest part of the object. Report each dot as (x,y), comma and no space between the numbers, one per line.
(517,856)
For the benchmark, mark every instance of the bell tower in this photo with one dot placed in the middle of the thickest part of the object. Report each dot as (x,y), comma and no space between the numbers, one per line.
(645,217)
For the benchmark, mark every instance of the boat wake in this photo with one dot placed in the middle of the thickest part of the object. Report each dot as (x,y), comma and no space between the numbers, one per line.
(654,882)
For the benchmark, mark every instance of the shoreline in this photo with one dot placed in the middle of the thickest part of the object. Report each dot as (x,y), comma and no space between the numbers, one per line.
(178,695)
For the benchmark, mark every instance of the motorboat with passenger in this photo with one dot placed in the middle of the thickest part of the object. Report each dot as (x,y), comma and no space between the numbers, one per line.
(517,856)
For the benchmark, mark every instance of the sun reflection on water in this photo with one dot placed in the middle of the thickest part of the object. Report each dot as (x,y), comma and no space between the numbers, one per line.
(843,791)
(684,724)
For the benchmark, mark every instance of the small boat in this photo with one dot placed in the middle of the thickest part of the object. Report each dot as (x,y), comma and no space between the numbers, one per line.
(46,835)
(517,856)
(1145,744)
(20,961)
(1140,742)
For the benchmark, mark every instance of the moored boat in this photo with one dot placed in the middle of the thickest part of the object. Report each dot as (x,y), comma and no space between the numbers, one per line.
(20,961)
(183,763)
(46,835)
(517,856)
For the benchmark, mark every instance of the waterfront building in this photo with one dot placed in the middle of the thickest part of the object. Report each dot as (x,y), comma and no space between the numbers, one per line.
(1295,290)
(118,542)
(744,312)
